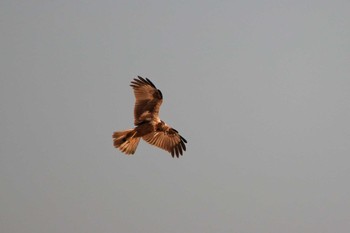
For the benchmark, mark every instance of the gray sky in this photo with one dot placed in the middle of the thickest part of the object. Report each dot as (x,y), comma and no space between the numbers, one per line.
(260,89)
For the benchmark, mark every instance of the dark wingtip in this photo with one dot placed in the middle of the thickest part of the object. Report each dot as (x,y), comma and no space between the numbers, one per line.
(183,145)
(180,149)
(136,82)
(177,151)
(160,93)
(150,83)
(140,80)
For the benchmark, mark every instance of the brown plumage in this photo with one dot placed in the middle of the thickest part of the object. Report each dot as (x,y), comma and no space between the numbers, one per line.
(147,122)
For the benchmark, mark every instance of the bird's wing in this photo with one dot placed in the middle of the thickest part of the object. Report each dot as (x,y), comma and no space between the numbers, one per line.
(148,100)
(167,139)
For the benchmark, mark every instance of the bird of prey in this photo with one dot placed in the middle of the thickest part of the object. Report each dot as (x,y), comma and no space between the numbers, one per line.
(148,126)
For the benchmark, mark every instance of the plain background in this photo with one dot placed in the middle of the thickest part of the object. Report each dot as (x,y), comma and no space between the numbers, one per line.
(260,89)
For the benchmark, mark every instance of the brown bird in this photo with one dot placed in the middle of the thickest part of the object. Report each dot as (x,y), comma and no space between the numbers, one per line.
(147,122)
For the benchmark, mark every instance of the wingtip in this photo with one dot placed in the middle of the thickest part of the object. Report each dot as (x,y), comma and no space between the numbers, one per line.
(150,83)
(140,80)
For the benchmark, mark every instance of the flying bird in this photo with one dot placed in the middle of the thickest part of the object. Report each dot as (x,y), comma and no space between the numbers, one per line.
(148,125)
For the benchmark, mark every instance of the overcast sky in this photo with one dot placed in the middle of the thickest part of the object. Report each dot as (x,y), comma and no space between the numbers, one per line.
(260,89)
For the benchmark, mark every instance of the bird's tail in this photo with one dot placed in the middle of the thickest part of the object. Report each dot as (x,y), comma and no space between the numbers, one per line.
(125,141)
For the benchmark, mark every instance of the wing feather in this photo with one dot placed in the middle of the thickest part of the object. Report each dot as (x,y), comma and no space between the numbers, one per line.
(168,139)
(148,100)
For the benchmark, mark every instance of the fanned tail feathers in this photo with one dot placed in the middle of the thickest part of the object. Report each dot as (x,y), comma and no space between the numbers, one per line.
(125,141)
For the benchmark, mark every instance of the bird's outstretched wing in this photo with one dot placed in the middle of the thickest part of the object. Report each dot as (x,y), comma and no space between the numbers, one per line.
(167,139)
(148,100)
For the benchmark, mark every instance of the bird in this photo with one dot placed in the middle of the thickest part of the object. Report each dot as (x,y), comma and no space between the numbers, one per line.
(148,125)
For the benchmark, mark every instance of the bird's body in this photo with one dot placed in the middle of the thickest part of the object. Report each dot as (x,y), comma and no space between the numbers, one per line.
(148,125)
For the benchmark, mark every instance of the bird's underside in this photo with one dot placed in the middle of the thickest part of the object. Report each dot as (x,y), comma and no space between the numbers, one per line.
(148,126)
